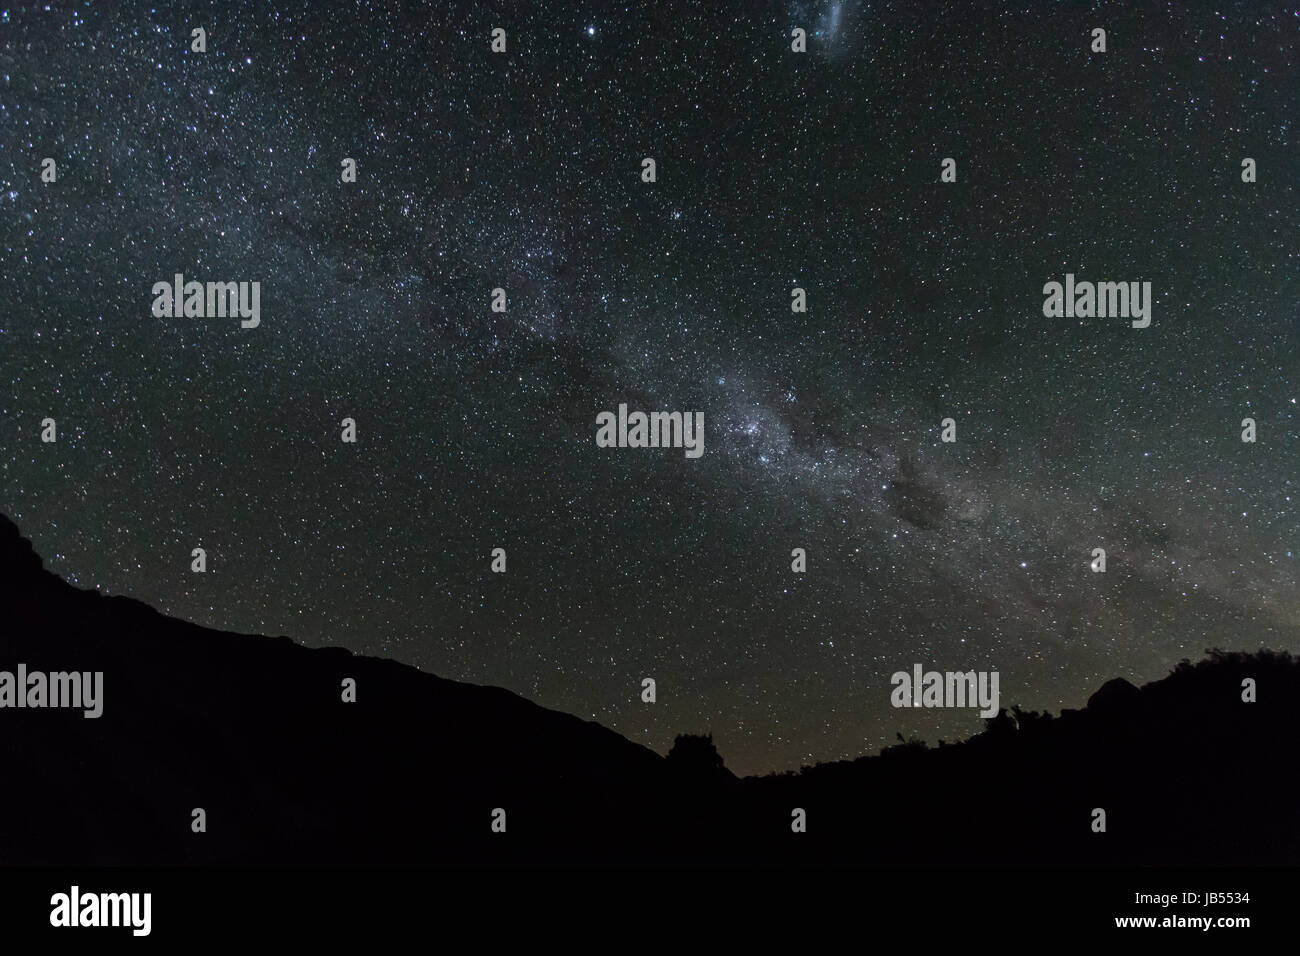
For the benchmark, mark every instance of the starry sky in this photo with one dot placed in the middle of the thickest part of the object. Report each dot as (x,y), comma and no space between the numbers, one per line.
(775,169)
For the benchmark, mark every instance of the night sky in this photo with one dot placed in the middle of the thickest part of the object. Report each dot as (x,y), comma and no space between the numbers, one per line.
(476,430)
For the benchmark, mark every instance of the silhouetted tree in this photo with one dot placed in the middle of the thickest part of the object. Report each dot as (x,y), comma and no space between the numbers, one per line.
(694,758)
(695,779)
(1002,724)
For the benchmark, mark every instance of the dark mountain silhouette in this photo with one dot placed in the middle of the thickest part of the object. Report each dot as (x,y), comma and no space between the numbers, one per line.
(254,731)
(1114,696)
(1186,771)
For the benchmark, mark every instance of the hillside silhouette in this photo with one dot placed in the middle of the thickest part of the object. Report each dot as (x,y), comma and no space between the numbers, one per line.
(254,731)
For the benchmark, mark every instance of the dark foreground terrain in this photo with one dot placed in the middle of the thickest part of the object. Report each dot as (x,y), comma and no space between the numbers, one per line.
(254,731)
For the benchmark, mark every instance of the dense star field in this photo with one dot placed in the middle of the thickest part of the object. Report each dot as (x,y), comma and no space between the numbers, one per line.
(775,170)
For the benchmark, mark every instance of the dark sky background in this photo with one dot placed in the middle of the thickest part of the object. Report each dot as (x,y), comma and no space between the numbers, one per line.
(476,430)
